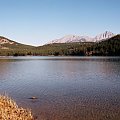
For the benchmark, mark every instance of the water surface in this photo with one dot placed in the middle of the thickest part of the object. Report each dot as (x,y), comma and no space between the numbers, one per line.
(68,88)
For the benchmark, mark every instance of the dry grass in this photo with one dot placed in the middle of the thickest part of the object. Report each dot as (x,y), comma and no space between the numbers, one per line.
(9,110)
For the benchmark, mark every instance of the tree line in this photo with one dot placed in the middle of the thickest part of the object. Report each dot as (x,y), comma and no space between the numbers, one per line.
(110,47)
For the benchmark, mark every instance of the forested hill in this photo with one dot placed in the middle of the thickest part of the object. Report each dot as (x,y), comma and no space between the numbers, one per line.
(10,44)
(9,47)
(109,47)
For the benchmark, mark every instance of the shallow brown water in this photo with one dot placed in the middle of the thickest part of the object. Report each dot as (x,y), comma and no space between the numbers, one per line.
(68,88)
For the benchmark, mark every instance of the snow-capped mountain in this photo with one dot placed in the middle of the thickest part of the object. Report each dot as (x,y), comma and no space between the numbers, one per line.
(76,38)
(103,36)
(71,38)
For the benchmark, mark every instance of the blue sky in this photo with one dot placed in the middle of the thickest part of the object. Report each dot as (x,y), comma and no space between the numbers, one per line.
(36,22)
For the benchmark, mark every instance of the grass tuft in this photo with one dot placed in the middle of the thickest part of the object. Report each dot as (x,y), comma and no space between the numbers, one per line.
(9,110)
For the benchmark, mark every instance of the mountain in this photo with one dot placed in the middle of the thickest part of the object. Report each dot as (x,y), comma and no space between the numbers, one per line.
(103,36)
(71,38)
(76,38)
(6,43)
(11,48)
(107,47)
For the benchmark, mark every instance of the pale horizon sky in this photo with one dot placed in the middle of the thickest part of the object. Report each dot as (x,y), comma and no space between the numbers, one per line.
(36,22)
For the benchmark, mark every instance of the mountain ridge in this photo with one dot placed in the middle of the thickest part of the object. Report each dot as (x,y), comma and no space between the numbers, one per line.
(108,47)
(66,39)
(76,38)
(6,43)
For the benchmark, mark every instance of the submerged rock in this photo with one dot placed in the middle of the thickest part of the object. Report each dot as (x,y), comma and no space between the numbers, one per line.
(33,97)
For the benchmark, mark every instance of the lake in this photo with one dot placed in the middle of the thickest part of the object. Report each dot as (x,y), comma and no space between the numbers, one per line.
(67,88)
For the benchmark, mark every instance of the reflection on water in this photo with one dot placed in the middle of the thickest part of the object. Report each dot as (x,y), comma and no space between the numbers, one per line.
(68,88)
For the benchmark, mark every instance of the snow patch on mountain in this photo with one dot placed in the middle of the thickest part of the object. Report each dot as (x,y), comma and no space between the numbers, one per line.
(103,36)
(5,41)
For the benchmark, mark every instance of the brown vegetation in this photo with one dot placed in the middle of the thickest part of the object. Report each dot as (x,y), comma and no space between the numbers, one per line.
(9,110)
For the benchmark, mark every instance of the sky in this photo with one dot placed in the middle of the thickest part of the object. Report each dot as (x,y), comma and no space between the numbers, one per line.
(36,22)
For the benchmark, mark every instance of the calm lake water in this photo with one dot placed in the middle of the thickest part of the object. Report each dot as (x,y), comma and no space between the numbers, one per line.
(68,88)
